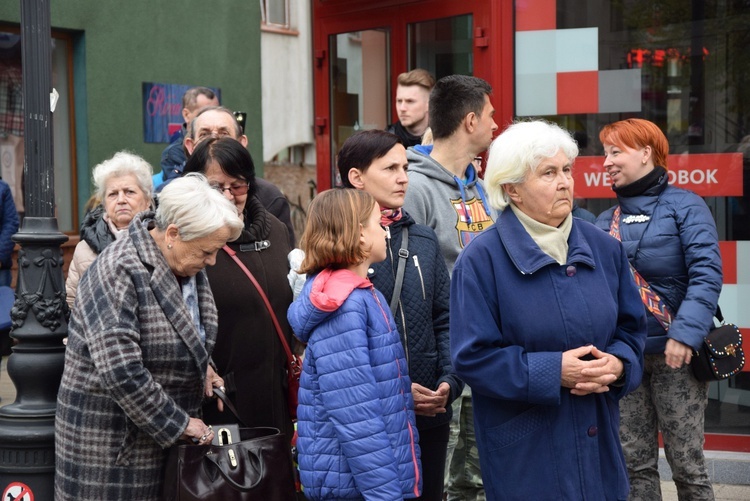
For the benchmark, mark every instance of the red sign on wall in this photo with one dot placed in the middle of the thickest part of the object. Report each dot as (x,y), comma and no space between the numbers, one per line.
(706,174)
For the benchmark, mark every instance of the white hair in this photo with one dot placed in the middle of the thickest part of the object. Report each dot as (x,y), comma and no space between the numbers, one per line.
(124,163)
(518,151)
(196,209)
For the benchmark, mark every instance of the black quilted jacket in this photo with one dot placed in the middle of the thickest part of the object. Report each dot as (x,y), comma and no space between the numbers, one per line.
(423,315)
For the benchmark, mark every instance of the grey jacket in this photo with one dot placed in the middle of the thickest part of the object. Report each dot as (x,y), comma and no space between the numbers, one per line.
(456,209)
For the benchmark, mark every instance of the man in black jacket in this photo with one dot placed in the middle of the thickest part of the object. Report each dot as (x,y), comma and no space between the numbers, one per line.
(412,106)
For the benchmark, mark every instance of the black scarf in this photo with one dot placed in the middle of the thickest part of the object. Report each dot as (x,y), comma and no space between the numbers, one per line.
(407,138)
(641,185)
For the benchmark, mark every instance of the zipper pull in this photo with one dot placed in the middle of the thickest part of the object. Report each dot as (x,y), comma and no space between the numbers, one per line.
(416,261)
(387,232)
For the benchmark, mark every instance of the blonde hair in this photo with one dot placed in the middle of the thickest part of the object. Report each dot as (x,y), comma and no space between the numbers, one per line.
(332,234)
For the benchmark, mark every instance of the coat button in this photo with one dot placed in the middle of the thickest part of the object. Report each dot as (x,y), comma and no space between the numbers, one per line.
(593,430)
(570,270)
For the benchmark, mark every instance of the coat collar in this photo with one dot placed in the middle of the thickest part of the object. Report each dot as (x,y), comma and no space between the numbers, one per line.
(646,201)
(526,254)
(169,296)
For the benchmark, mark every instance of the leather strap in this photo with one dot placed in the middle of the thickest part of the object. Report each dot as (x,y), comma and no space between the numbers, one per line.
(650,298)
(403,255)
(229,405)
(291,360)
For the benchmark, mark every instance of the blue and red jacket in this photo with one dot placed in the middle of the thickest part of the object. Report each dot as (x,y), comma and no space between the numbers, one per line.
(356,424)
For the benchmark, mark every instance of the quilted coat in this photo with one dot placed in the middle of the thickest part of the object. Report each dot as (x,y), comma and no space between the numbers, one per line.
(423,314)
(134,372)
(357,433)
(514,311)
(675,247)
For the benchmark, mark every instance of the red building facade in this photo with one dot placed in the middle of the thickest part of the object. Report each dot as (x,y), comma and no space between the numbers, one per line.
(582,64)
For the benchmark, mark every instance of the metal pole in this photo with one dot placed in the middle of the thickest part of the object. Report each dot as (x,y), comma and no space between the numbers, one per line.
(27,426)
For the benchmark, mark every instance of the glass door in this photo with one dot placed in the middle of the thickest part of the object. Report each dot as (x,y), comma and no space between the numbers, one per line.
(442,46)
(360,94)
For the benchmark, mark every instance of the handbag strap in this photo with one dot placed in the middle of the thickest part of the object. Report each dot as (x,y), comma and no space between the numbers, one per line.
(718,314)
(650,298)
(289,357)
(229,405)
(403,255)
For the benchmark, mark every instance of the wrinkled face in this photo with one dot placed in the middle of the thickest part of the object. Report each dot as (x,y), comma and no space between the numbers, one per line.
(373,237)
(233,188)
(626,165)
(485,127)
(187,258)
(214,123)
(546,195)
(123,199)
(385,178)
(412,103)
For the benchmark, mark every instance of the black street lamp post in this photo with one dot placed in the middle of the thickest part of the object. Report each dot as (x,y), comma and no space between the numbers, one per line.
(27,426)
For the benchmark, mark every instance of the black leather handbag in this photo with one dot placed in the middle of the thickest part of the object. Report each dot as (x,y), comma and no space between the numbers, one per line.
(242,464)
(720,355)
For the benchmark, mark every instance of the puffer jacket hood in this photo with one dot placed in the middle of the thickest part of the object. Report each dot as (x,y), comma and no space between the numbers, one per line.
(329,290)
(95,230)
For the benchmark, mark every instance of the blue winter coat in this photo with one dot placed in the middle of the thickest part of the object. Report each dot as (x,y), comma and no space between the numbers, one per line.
(357,435)
(676,249)
(8,225)
(514,311)
(423,314)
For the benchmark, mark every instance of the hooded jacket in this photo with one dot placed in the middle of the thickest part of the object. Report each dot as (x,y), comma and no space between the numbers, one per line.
(671,239)
(456,209)
(423,313)
(357,435)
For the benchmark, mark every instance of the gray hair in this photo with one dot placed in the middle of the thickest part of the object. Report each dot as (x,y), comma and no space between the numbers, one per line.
(518,151)
(196,209)
(191,126)
(124,163)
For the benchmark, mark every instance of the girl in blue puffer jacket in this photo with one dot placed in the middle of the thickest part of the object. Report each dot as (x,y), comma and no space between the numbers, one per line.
(356,425)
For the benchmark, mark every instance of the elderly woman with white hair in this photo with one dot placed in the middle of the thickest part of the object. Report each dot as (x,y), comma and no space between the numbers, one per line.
(547,327)
(140,338)
(124,188)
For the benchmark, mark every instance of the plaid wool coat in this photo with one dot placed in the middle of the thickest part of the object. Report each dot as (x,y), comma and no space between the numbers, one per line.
(134,372)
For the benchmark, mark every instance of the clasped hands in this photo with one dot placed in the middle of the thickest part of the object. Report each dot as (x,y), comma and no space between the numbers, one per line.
(428,402)
(584,377)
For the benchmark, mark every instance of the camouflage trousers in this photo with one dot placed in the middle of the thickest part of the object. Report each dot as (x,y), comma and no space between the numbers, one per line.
(673,401)
(463,478)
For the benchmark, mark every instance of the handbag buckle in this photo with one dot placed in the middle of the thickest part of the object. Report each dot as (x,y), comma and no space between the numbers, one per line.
(225,435)
(232,458)
(730,349)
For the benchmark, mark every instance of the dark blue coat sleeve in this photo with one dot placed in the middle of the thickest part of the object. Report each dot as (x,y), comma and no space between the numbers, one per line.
(9,225)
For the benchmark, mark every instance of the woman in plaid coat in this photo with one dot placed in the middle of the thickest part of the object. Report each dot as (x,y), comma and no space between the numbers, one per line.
(136,365)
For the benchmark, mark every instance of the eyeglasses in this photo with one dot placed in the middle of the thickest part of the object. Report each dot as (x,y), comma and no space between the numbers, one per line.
(235,189)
